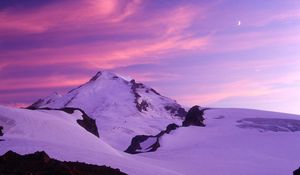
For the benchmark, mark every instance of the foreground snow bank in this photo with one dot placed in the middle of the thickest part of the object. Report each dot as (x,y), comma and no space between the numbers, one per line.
(224,147)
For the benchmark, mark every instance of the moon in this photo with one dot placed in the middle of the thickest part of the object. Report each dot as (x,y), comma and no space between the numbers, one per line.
(239,23)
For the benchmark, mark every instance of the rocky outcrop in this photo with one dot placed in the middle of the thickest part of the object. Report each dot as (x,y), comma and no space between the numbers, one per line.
(135,146)
(143,105)
(47,100)
(194,117)
(1,133)
(36,104)
(86,122)
(140,106)
(39,163)
(177,110)
(1,128)
(150,143)
(297,171)
(144,143)
(95,77)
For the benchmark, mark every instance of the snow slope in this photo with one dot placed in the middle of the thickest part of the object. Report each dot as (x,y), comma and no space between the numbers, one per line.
(225,148)
(234,142)
(121,108)
(53,127)
(58,134)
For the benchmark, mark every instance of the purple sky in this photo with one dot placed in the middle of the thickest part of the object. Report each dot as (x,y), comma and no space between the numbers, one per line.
(225,53)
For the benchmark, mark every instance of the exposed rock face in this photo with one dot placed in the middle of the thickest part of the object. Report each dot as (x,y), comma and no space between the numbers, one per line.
(150,143)
(194,117)
(144,143)
(35,104)
(135,146)
(87,122)
(140,106)
(39,163)
(297,171)
(95,77)
(177,111)
(50,99)
(143,105)
(171,127)
(1,133)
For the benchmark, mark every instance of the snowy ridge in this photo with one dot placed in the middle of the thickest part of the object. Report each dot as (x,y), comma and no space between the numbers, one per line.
(46,100)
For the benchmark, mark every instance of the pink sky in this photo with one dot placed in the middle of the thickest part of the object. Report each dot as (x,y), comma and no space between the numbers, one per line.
(192,51)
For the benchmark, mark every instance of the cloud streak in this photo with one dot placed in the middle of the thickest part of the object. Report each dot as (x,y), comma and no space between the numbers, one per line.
(59,44)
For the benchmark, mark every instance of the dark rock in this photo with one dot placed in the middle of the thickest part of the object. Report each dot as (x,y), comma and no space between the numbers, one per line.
(69,101)
(171,127)
(115,77)
(135,146)
(297,171)
(87,122)
(177,110)
(181,112)
(95,77)
(41,102)
(143,106)
(36,104)
(136,85)
(194,117)
(155,92)
(140,106)
(1,132)
(39,163)
(75,88)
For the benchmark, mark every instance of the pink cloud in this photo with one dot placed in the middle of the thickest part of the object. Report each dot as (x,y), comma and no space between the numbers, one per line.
(172,37)
(66,14)
(110,54)
(46,82)
(241,88)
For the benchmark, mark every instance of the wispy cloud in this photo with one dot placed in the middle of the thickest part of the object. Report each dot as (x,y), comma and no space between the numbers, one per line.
(60,44)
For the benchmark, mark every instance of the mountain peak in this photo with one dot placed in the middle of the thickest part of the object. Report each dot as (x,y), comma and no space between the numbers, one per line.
(107,75)
(104,75)
(118,105)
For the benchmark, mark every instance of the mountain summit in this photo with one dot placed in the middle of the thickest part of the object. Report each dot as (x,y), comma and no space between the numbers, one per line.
(120,107)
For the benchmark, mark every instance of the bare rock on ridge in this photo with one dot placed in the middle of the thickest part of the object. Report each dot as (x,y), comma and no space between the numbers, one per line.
(194,117)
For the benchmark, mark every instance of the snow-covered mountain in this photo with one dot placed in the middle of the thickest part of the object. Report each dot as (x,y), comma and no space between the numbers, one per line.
(230,142)
(120,107)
